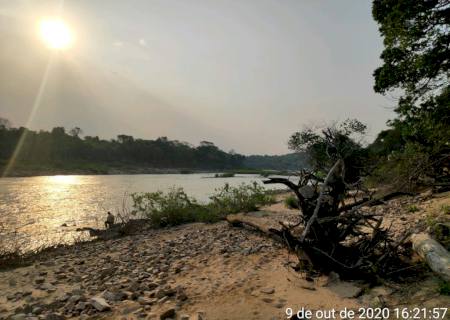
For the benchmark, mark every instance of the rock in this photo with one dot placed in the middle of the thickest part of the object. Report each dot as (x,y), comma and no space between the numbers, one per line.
(100,304)
(48,287)
(184,317)
(381,291)
(37,310)
(19,316)
(308,286)
(145,301)
(133,307)
(39,280)
(279,305)
(346,289)
(268,290)
(169,313)
(75,298)
(151,286)
(201,315)
(54,316)
(182,296)
(267,300)
(64,297)
(333,277)
(163,299)
(80,306)
(109,296)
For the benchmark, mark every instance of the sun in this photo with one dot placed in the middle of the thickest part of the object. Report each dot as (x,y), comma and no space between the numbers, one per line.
(56,34)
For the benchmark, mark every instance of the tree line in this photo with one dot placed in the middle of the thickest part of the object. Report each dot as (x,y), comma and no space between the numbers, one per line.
(58,146)
(61,148)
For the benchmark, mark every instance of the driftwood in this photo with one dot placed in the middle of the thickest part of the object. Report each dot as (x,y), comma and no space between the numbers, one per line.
(433,253)
(117,230)
(262,225)
(333,234)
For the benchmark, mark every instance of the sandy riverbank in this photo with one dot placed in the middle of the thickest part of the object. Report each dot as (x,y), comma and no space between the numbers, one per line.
(198,271)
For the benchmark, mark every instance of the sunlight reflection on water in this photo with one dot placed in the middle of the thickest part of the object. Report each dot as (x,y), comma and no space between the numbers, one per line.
(35,208)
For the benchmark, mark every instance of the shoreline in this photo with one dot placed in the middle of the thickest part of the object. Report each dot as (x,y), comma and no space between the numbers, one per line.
(25,173)
(197,269)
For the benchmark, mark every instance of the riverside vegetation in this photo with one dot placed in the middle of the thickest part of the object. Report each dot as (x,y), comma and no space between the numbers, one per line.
(164,209)
(176,207)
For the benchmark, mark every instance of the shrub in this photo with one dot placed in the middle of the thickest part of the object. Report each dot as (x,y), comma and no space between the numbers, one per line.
(413,208)
(166,209)
(243,198)
(291,202)
(176,207)
(403,169)
(444,287)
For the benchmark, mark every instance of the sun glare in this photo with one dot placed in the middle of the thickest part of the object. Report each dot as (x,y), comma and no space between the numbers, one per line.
(56,34)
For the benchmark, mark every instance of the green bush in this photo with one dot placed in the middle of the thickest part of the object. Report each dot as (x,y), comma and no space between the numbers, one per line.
(403,169)
(291,202)
(444,288)
(167,209)
(176,207)
(243,198)
(413,208)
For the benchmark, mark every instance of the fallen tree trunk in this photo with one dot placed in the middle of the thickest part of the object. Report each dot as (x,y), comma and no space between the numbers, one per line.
(436,256)
(260,224)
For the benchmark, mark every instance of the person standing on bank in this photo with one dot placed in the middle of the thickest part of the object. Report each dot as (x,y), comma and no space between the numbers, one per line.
(109,220)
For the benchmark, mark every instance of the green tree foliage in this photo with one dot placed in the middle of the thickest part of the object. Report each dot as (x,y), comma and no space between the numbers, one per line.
(291,161)
(176,207)
(416,55)
(61,149)
(416,62)
(327,144)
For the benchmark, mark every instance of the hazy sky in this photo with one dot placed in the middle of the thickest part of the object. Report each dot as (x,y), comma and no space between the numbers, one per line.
(244,74)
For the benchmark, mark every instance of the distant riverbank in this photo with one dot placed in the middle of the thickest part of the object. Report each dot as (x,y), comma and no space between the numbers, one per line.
(24,171)
(94,169)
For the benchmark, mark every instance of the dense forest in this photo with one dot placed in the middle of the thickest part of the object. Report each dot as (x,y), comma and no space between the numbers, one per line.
(292,161)
(67,149)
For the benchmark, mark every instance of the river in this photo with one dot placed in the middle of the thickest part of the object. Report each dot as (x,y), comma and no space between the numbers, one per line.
(39,211)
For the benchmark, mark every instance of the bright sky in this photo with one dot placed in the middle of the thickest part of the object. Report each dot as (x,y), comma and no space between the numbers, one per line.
(244,74)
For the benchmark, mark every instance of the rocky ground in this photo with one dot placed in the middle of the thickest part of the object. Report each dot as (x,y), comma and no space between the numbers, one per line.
(201,271)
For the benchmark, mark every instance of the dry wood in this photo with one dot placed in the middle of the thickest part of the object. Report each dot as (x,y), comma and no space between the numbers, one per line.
(435,255)
(333,235)
(330,175)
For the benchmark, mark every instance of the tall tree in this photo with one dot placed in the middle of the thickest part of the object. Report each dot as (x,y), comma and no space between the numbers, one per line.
(416,64)
(416,57)
(326,145)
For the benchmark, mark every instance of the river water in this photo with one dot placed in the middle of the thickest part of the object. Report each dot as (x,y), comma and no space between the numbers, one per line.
(33,210)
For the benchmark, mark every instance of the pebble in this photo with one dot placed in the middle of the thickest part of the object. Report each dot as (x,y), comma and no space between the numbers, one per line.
(100,304)
(143,271)
(268,290)
(169,313)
